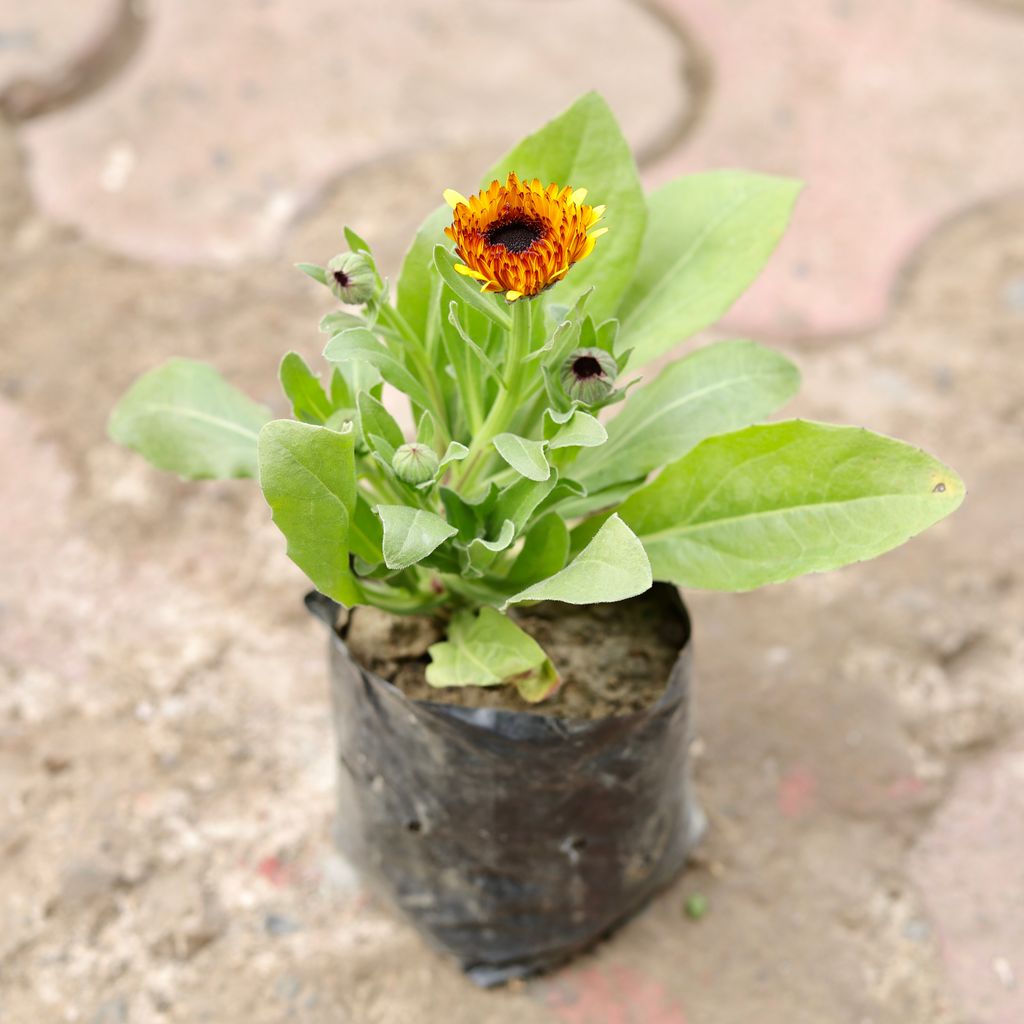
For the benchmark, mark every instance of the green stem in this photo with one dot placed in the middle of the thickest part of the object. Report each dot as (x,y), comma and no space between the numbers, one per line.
(400,325)
(508,400)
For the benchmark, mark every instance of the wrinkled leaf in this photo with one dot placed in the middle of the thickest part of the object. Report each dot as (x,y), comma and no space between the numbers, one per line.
(487,649)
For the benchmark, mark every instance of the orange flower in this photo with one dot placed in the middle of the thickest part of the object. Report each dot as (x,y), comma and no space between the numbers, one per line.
(520,238)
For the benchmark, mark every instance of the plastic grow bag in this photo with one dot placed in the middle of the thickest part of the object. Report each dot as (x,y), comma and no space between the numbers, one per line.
(512,840)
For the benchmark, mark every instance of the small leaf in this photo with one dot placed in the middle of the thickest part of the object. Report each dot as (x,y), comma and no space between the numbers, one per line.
(455,452)
(612,567)
(518,501)
(410,534)
(355,243)
(482,553)
(426,429)
(718,388)
(185,418)
(487,649)
(303,389)
(374,419)
(308,478)
(580,430)
(312,270)
(708,236)
(772,502)
(544,552)
(357,343)
(524,456)
(467,291)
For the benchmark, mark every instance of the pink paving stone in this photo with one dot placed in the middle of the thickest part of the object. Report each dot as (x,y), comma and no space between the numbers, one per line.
(40,38)
(609,995)
(969,867)
(897,115)
(233,116)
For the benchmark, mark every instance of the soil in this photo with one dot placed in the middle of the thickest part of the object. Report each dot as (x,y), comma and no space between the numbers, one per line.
(612,659)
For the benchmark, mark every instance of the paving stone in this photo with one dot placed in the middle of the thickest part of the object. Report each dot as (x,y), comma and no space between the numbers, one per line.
(896,115)
(234,117)
(45,42)
(969,869)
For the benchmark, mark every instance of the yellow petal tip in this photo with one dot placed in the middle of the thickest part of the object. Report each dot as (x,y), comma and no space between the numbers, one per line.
(453,198)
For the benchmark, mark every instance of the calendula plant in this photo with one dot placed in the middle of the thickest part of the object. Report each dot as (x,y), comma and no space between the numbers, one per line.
(532,473)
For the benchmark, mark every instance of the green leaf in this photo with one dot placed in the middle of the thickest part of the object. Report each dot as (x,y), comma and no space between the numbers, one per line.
(426,429)
(708,236)
(314,271)
(455,452)
(524,456)
(487,649)
(185,418)
(375,420)
(410,534)
(580,430)
(355,242)
(469,292)
(418,283)
(366,535)
(482,553)
(303,389)
(518,501)
(772,502)
(308,478)
(612,567)
(357,343)
(584,147)
(718,388)
(545,549)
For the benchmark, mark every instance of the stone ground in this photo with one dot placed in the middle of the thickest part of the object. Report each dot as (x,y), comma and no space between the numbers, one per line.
(165,746)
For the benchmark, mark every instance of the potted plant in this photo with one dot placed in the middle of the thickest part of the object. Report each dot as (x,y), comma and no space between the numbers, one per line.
(510,659)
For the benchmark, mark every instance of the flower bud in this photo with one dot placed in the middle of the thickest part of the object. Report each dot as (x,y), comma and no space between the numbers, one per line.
(352,278)
(415,463)
(588,375)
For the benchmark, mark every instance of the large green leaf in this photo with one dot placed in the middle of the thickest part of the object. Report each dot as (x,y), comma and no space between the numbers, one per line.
(185,418)
(410,534)
(358,344)
(772,502)
(584,148)
(718,388)
(708,236)
(308,478)
(612,567)
(487,649)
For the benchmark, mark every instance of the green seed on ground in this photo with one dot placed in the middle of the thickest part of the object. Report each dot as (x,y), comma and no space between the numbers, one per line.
(696,906)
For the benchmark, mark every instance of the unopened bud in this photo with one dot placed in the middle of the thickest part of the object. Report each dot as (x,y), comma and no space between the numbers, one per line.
(588,375)
(352,278)
(415,463)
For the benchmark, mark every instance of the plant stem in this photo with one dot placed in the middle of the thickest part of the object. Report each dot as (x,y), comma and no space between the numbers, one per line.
(508,400)
(400,325)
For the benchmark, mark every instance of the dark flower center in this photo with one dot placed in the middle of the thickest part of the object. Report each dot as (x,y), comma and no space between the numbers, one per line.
(341,277)
(515,235)
(585,367)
